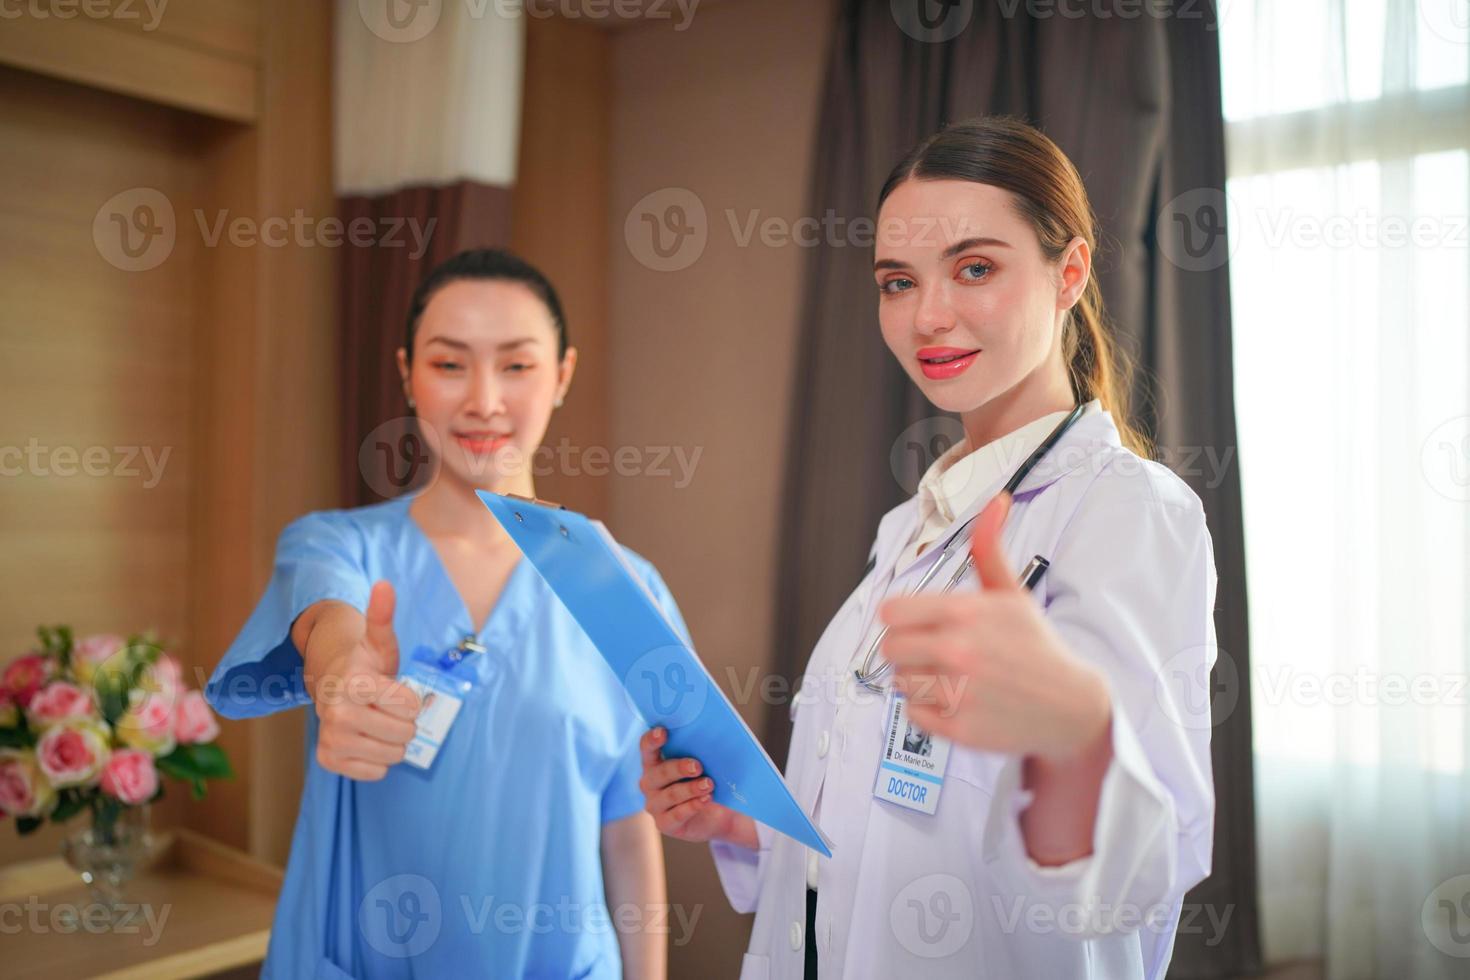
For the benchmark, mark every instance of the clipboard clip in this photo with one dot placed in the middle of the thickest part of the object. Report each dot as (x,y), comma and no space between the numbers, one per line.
(537,501)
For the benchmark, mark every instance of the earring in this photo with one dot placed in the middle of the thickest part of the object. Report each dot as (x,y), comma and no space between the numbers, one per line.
(556,404)
(410,402)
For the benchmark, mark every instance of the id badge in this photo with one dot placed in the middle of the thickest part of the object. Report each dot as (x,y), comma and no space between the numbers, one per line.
(443,682)
(911,771)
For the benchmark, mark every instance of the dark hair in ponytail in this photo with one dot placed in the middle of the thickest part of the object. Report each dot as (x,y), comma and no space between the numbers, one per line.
(493,264)
(1016,157)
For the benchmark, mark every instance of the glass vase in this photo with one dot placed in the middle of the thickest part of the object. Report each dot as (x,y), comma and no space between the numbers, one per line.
(107,852)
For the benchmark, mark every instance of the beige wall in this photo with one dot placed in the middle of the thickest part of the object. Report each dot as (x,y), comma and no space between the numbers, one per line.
(702,358)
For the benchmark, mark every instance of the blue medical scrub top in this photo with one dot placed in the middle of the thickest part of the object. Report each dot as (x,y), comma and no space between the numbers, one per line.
(489,863)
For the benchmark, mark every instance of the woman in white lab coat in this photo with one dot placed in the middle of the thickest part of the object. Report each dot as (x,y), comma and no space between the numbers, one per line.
(1063,804)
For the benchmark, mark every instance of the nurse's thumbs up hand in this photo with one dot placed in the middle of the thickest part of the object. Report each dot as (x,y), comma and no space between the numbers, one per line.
(985,668)
(351,660)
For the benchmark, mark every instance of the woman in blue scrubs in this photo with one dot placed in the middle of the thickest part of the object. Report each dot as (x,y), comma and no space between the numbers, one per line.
(523,849)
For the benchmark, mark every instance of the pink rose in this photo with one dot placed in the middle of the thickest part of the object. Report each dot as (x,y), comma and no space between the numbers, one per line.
(24,676)
(91,652)
(130,776)
(58,702)
(24,791)
(148,723)
(73,753)
(166,676)
(195,722)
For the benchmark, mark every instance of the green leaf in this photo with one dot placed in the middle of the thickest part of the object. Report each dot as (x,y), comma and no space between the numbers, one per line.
(71,803)
(28,825)
(56,641)
(197,762)
(196,789)
(16,738)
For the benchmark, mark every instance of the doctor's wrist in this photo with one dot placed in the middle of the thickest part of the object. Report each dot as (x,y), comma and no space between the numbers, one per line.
(740,832)
(1091,710)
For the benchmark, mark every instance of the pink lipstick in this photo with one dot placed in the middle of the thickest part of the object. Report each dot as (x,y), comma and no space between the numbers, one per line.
(942,363)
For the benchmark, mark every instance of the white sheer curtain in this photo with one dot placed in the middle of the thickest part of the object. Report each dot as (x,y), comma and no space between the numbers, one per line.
(1348,128)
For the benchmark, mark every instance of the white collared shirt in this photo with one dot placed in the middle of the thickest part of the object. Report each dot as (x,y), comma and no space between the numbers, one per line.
(953,483)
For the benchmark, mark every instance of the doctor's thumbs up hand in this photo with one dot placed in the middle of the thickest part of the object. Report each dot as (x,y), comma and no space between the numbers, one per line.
(351,669)
(986,670)
(678,796)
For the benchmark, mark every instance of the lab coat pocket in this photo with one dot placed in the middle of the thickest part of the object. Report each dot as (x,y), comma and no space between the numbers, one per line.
(755,967)
(979,769)
(970,785)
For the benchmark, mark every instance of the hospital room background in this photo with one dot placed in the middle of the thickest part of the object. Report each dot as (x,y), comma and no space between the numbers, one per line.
(212,215)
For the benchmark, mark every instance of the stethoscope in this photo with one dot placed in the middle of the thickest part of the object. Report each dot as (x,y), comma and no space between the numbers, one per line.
(873,678)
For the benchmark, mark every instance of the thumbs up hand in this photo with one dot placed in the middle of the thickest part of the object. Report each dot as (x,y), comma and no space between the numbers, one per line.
(367,717)
(985,669)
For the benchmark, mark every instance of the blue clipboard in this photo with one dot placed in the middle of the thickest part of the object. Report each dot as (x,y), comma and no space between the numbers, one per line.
(586,568)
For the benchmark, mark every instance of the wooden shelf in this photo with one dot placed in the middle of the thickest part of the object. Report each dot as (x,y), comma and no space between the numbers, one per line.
(211,908)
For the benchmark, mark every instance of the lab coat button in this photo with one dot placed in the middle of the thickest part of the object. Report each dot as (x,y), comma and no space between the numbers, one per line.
(824,742)
(797,931)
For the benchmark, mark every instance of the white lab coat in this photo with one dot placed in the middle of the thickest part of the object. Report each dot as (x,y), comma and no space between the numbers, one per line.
(1130,589)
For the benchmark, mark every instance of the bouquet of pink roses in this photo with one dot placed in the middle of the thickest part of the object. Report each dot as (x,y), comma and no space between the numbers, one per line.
(90,725)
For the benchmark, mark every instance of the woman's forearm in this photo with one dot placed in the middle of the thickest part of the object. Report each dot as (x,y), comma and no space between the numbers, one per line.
(321,633)
(1058,825)
(637,895)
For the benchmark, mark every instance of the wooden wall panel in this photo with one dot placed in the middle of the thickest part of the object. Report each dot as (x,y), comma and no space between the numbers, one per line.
(221,354)
(271,415)
(559,223)
(92,357)
(211,46)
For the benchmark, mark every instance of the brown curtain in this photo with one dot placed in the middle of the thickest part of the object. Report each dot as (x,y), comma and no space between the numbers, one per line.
(1136,104)
(412,230)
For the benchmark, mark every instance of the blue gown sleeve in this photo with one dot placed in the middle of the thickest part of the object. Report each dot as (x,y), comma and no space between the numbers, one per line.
(318,557)
(622,797)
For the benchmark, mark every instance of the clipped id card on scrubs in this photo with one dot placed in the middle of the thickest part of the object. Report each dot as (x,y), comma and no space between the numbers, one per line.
(911,772)
(443,680)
